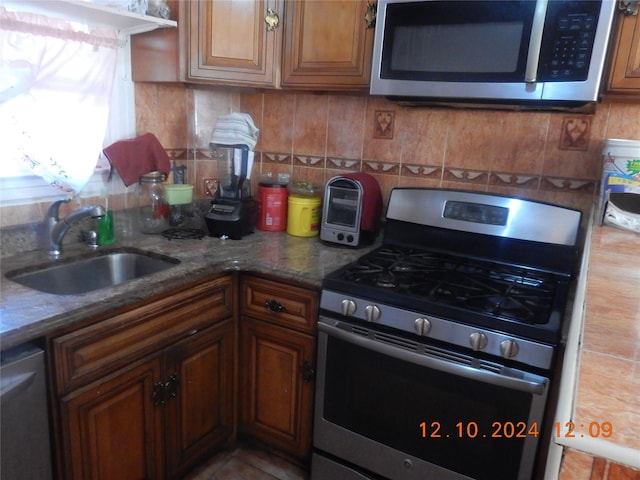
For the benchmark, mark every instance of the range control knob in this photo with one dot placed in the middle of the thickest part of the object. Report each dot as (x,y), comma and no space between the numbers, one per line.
(478,341)
(348,307)
(422,326)
(372,312)
(509,348)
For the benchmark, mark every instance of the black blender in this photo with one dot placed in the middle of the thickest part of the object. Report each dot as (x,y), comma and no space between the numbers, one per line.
(233,212)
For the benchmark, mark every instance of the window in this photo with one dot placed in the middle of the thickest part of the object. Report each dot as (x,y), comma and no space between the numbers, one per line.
(64,121)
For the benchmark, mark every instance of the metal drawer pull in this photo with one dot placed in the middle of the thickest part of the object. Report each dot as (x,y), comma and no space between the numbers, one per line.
(274,306)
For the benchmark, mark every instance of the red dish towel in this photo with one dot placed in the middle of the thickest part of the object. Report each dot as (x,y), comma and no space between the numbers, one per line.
(137,156)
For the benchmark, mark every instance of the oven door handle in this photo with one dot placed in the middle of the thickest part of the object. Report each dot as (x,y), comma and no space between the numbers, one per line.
(533,384)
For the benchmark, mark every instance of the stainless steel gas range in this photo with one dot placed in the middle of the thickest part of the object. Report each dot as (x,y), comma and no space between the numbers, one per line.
(436,350)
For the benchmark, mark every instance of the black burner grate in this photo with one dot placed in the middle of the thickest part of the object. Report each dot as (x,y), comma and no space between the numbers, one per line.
(184,233)
(502,290)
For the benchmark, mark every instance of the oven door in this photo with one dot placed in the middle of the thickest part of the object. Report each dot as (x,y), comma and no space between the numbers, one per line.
(404,410)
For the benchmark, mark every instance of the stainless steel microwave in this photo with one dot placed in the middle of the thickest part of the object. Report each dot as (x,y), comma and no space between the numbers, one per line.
(537,53)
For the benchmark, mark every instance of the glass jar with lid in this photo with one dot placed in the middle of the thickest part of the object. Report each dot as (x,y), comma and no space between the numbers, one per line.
(153,209)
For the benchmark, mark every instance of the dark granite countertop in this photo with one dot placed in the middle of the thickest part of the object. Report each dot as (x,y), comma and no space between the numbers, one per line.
(27,314)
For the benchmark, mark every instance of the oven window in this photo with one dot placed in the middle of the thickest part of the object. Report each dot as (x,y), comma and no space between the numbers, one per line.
(443,419)
(343,207)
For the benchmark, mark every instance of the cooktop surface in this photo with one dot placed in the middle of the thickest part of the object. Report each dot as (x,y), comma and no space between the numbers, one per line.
(490,294)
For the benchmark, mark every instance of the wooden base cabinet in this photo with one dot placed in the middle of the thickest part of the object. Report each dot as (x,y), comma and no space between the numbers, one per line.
(201,416)
(277,358)
(112,430)
(160,413)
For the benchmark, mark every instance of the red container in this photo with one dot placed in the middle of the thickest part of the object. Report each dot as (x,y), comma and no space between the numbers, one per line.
(272,207)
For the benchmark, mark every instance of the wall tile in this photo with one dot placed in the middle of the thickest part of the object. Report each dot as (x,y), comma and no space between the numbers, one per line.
(514,153)
(173,103)
(382,149)
(310,124)
(605,398)
(424,136)
(574,163)
(346,126)
(470,139)
(519,142)
(575,465)
(252,103)
(208,105)
(278,120)
(623,121)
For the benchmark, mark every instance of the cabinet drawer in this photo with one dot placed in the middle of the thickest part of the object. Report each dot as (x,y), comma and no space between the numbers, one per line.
(279,303)
(93,351)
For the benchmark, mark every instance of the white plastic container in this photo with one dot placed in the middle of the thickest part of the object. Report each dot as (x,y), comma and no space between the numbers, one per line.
(621,167)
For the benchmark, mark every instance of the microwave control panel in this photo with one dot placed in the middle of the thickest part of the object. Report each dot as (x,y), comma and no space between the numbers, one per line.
(568,42)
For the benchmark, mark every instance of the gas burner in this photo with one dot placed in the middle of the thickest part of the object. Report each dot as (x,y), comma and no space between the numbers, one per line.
(493,289)
(386,280)
(183,233)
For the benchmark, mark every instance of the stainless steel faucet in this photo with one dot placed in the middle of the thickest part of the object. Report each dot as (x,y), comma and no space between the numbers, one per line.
(56,229)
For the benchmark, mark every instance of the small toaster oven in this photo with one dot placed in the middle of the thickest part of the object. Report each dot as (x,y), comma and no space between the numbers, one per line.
(352,210)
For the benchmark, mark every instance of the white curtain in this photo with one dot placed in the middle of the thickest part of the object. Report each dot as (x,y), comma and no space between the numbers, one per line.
(55,85)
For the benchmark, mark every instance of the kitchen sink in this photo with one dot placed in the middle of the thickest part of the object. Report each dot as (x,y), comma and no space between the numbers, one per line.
(87,273)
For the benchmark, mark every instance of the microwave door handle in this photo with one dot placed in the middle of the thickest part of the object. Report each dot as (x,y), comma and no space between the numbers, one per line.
(535,43)
(535,386)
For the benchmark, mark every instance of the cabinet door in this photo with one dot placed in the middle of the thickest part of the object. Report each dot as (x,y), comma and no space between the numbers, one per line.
(200,370)
(624,77)
(112,429)
(327,45)
(228,41)
(276,389)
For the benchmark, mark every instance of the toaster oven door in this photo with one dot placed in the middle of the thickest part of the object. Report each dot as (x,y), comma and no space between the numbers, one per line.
(342,210)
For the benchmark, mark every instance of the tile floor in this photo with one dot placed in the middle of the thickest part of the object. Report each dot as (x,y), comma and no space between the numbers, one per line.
(247,463)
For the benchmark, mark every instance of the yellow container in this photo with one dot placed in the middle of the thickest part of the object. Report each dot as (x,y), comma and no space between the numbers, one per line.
(303,218)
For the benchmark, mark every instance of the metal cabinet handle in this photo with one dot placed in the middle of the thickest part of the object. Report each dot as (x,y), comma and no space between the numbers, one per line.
(159,394)
(308,372)
(172,386)
(371,14)
(629,7)
(274,306)
(162,391)
(271,19)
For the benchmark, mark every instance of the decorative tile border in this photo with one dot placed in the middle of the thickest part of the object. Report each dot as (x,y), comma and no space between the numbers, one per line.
(344,164)
(380,167)
(519,180)
(568,185)
(433,172)
(277,158)
(421,171)
(308,161)
(467,176)
(178,153)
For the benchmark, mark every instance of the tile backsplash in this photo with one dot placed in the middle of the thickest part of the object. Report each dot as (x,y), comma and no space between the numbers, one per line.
(554,157)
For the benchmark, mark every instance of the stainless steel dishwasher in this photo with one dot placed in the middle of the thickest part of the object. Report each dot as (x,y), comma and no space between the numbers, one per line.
(25,452)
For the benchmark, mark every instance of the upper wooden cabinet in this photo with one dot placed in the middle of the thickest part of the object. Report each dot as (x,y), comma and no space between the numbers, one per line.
(624,68)
(312,44)
(230,41)
(327,45)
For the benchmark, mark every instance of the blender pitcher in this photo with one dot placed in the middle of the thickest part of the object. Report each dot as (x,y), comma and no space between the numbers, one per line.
(234,170)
